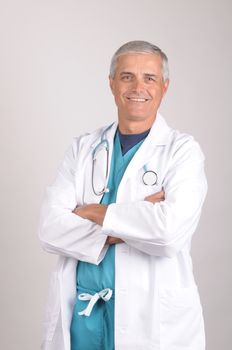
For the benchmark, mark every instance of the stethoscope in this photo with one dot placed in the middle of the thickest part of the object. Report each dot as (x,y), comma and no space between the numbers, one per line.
(104,143)
(149,178)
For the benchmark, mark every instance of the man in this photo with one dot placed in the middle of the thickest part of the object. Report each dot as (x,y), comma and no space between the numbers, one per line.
(121,214)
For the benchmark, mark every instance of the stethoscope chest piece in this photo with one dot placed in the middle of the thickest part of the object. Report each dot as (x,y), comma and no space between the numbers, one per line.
(150,178)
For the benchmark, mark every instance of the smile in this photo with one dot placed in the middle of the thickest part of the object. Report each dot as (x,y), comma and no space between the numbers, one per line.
(137,99)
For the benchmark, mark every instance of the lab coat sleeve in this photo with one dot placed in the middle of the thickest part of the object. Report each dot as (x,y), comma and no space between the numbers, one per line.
(61,231)
(162,229)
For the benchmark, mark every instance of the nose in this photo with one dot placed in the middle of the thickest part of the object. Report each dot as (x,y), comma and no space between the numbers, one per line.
(138,85)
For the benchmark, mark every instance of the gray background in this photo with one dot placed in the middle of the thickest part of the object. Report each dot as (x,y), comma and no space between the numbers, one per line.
(54,62)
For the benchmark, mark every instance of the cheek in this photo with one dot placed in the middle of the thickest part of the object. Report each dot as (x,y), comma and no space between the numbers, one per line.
(119,99)
(157,95)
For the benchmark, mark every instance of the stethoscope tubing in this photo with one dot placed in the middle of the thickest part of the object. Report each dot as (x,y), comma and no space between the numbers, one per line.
(105,143)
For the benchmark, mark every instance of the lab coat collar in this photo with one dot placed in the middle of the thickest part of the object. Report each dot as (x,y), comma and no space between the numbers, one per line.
(158,134)
(110,132)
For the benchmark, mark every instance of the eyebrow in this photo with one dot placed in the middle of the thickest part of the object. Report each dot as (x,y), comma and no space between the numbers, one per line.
(126,73)
(146,74)
(151,75)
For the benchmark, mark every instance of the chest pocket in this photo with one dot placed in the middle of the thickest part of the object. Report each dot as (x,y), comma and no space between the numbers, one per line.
(149,181)
(150,177)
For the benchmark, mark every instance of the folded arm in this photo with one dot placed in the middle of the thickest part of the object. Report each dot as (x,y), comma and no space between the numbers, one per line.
(160,227)
(60,230)
(164,228)
(96,213)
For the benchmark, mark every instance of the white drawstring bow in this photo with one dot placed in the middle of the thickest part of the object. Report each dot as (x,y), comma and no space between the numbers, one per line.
(104,294)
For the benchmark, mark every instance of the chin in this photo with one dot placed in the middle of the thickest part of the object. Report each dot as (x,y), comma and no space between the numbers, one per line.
(137,117)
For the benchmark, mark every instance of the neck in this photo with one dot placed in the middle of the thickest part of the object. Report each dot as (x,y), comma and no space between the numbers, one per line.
(134,127)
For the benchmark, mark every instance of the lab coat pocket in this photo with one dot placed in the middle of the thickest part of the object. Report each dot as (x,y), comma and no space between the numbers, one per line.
(52,308)
(148,181)
(181,321)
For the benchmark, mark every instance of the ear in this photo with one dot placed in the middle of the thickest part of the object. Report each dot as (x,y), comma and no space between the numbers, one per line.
(165,87)
(111,83)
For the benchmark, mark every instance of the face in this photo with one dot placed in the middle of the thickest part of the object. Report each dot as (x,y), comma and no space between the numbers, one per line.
(138,87)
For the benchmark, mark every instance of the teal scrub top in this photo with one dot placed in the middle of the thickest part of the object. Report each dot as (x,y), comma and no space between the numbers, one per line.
(96,332)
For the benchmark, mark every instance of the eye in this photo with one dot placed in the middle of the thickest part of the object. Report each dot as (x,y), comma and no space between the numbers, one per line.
(127,77)
(150,79)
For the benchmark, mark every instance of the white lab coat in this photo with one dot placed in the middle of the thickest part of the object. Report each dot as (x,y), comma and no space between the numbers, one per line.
(157,305)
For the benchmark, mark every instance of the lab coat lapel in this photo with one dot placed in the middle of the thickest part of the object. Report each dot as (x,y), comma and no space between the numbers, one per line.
(158,136)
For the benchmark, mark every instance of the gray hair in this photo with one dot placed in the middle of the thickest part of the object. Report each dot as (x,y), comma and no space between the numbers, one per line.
(139,46)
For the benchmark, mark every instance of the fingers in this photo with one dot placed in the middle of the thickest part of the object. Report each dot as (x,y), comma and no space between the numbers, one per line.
(81,211)
(94,212)
(113,240)
(156,197)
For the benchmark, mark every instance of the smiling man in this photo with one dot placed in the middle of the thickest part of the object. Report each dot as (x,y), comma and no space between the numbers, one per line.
(121,215)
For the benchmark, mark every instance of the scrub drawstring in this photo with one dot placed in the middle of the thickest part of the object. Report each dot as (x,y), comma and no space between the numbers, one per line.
(104,294)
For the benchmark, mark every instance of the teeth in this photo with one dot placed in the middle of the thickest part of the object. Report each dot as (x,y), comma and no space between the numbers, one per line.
(137,99)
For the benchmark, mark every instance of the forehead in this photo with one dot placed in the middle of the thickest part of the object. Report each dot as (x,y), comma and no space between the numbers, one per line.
(143,62)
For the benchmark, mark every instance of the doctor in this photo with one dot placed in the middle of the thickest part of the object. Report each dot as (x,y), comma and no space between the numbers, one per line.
(120,214)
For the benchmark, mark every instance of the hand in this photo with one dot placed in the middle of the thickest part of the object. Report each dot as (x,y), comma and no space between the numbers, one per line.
(93,212)
(156,197)
(113,240)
